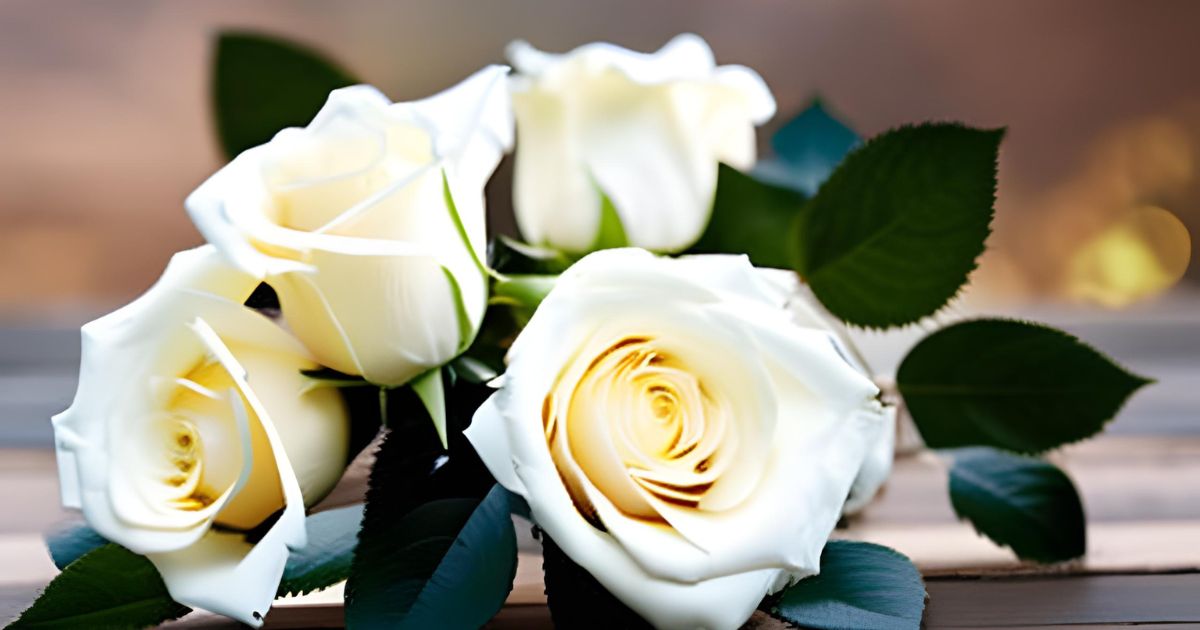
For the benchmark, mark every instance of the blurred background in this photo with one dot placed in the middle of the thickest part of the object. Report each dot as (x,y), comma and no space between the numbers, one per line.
(105,127)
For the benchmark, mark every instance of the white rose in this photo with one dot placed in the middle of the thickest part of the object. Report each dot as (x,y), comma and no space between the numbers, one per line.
(678,434)
(193,423)
(806,311)
(348,220)
(646,129)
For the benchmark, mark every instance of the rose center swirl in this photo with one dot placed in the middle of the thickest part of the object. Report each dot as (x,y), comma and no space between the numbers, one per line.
(641,427)
(184,451)
(197,413)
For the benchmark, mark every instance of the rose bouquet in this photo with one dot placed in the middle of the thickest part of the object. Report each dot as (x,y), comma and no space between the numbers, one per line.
(658,377)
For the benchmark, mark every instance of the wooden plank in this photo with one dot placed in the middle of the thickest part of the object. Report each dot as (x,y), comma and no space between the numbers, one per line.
(1119,479)
(14,598)
(29,479)
(1142,521)
(1081,601)
(1113,547)
(1094,599)
(955,601)
(938,550)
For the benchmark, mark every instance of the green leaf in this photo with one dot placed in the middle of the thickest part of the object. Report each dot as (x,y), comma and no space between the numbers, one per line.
(453,565)
(475,575)
(808,148)
(894,232)
(750,217)
(525,291)
(1013,385)
(519,506)
(366,417)
(862,586)
(473,370)
(109,587)
(419,500)
(262,84)
(501,323)
(326,559)
(429,388)
(510,256)
(610,233)
(578,600)
(69,543)
(1024,503)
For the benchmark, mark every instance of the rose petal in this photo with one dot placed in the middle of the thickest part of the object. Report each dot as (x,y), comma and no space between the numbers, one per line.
(877,466)
(488,434)
(728,329)
(223,573)
(719,603)
(336,310)
(581,111)
(123,355)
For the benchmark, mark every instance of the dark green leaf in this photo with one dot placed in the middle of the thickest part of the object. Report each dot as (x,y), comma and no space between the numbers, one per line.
(501,323)
(894,232)
(334,376)
(807,150)
(510,256)
(262,84)
(750,217)
(475,575)
(69,543)
(452,564)
(1010,384)
(419,500)
(862,586)
(578,600)
(362,402)
(473,370)
(519,506)
(326,559)
(109,587)
(1024,503)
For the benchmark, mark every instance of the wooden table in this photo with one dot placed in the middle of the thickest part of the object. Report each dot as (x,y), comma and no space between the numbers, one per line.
(1140,485)
(1143,564)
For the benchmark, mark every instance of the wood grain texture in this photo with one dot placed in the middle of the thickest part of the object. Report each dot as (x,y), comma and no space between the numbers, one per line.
(1143,564)
(1079,601)
(1092,599)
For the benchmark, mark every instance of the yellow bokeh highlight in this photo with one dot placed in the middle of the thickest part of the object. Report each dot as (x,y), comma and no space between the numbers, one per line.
(1140,255)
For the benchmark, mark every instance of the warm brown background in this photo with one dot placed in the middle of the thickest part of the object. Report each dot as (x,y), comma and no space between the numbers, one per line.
(104,128)
(104,121)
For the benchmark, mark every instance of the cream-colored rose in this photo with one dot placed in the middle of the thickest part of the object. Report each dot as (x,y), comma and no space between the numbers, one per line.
(349,220)
(807,311)
(678,434)
(646,129)
(193,423)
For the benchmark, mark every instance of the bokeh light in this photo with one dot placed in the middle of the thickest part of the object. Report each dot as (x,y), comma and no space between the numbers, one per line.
(1140,255)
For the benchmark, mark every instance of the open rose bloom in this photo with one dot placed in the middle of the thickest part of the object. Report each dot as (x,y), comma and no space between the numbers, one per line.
(369,223)
(192,426)
(687,430)
(680,434)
